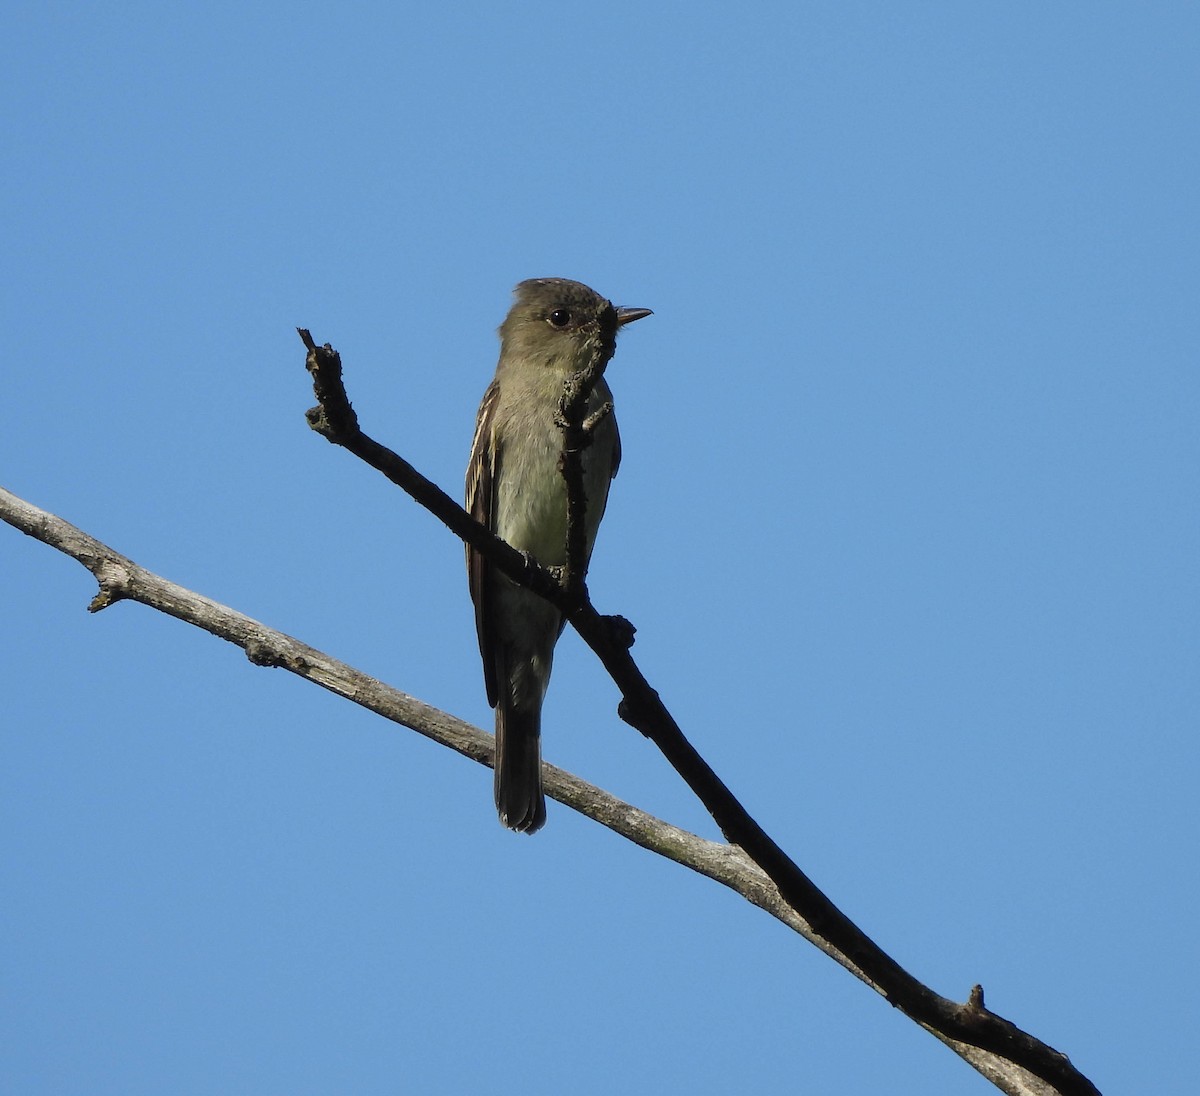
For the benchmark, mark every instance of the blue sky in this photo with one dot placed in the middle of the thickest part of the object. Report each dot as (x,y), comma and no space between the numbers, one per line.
(907,522)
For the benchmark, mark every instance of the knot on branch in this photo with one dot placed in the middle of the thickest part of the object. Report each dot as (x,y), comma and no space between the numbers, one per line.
(262,654)
(114,580)
(621,632)
(636,715)
(334,419)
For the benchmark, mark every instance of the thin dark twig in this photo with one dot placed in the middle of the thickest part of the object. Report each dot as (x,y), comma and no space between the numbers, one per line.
(642,707)
(335,421)
(577,430)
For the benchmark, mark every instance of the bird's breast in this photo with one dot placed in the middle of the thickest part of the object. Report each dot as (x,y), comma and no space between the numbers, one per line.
(532,510)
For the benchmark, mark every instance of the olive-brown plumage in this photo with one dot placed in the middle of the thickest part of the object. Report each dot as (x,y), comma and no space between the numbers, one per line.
(515,487)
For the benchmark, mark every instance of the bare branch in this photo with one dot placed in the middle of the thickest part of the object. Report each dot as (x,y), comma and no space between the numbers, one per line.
(956,1024)
(335,421)
(578,431)
(119,578)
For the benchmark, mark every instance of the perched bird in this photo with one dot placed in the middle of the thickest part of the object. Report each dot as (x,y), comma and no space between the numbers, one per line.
(515,487)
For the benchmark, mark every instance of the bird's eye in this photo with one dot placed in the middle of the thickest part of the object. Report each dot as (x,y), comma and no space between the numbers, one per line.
(560,317)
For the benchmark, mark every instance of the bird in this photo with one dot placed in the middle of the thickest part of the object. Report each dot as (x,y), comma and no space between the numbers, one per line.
(515,487)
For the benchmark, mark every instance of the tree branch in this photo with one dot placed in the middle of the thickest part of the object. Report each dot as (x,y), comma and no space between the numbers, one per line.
(120,579)
(959,1025)
(577,428)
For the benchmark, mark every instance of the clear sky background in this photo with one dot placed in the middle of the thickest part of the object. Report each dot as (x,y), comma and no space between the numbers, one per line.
(907,522)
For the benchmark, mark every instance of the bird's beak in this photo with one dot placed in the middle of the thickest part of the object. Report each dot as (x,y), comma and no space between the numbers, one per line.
(628,315)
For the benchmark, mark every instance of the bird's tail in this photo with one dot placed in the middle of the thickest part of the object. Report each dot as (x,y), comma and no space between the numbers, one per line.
(519,797)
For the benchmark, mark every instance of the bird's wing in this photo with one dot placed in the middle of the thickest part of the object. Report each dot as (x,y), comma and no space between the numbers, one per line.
(482,475)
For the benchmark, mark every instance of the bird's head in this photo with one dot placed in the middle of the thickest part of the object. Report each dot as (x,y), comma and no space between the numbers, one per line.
(562,324)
